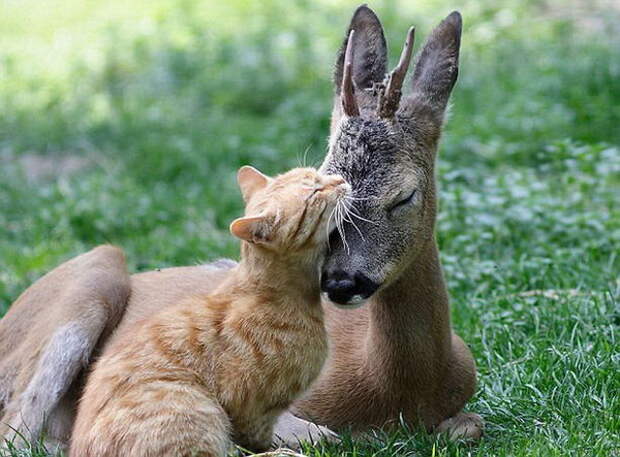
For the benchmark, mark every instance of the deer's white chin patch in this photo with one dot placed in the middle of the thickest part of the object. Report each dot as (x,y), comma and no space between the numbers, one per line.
(356,302)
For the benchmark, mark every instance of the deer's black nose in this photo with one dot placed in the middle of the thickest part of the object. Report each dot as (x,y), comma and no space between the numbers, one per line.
(345,288)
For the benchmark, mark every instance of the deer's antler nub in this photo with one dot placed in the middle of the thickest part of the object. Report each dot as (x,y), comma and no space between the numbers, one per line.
(349,103)
(388,103)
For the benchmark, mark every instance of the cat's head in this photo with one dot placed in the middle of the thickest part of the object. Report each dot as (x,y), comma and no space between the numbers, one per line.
(291,212)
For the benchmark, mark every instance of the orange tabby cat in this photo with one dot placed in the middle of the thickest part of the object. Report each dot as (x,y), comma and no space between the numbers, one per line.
(219,369)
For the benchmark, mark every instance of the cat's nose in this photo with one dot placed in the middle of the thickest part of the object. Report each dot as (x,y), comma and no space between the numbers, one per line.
(347,289)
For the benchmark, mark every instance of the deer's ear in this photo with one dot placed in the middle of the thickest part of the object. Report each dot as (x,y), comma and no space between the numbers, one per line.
(250,180)
(369,50)
(437,66)
(254,229)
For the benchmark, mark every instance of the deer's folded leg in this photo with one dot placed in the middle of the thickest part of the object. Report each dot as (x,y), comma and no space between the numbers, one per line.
(47,338)
(468,426)
(290,430)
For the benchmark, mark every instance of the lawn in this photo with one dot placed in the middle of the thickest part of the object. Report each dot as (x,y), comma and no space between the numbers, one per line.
(125,122)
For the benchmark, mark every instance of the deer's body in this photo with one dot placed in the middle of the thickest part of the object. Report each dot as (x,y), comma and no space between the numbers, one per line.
(394,356)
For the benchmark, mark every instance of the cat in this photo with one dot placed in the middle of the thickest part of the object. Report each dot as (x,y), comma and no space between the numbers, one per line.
(219,369)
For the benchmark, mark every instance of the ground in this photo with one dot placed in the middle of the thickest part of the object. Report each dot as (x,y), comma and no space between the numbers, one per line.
(125,122)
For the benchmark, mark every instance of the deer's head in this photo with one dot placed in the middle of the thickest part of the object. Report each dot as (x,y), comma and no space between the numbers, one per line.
(385,146)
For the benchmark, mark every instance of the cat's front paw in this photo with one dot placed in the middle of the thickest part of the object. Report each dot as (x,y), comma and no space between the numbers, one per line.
(290,431)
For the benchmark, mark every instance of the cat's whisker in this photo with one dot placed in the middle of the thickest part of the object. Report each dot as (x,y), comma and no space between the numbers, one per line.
(327,227)
(353,212)
(340,227)
(357,229)
(357,216)
(302,158)
(351,197)
(348,215)
(305,156)
(344,237)
(337,220)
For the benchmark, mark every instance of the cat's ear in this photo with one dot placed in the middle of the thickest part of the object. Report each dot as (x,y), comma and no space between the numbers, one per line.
(250,180)
(254,229)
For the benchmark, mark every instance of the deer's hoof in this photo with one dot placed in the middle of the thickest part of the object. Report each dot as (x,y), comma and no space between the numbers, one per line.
(462,426)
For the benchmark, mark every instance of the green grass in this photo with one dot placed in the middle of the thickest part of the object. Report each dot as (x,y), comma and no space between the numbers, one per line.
(165,100)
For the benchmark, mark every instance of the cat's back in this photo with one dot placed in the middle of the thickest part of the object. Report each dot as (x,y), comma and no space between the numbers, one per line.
(174,341)
(162,289)
(161,371)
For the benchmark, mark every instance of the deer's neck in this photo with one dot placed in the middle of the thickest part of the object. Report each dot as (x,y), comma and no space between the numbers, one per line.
(409,329)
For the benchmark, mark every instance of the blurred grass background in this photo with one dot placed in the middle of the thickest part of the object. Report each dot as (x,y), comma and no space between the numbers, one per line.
(125,122)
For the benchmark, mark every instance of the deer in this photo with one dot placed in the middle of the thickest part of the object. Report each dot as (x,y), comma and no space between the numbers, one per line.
(393,355)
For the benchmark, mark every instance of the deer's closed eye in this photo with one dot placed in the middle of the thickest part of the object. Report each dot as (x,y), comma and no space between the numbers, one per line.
(404,201)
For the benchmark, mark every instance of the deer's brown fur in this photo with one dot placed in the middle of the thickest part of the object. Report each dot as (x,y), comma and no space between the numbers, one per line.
(50,334)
